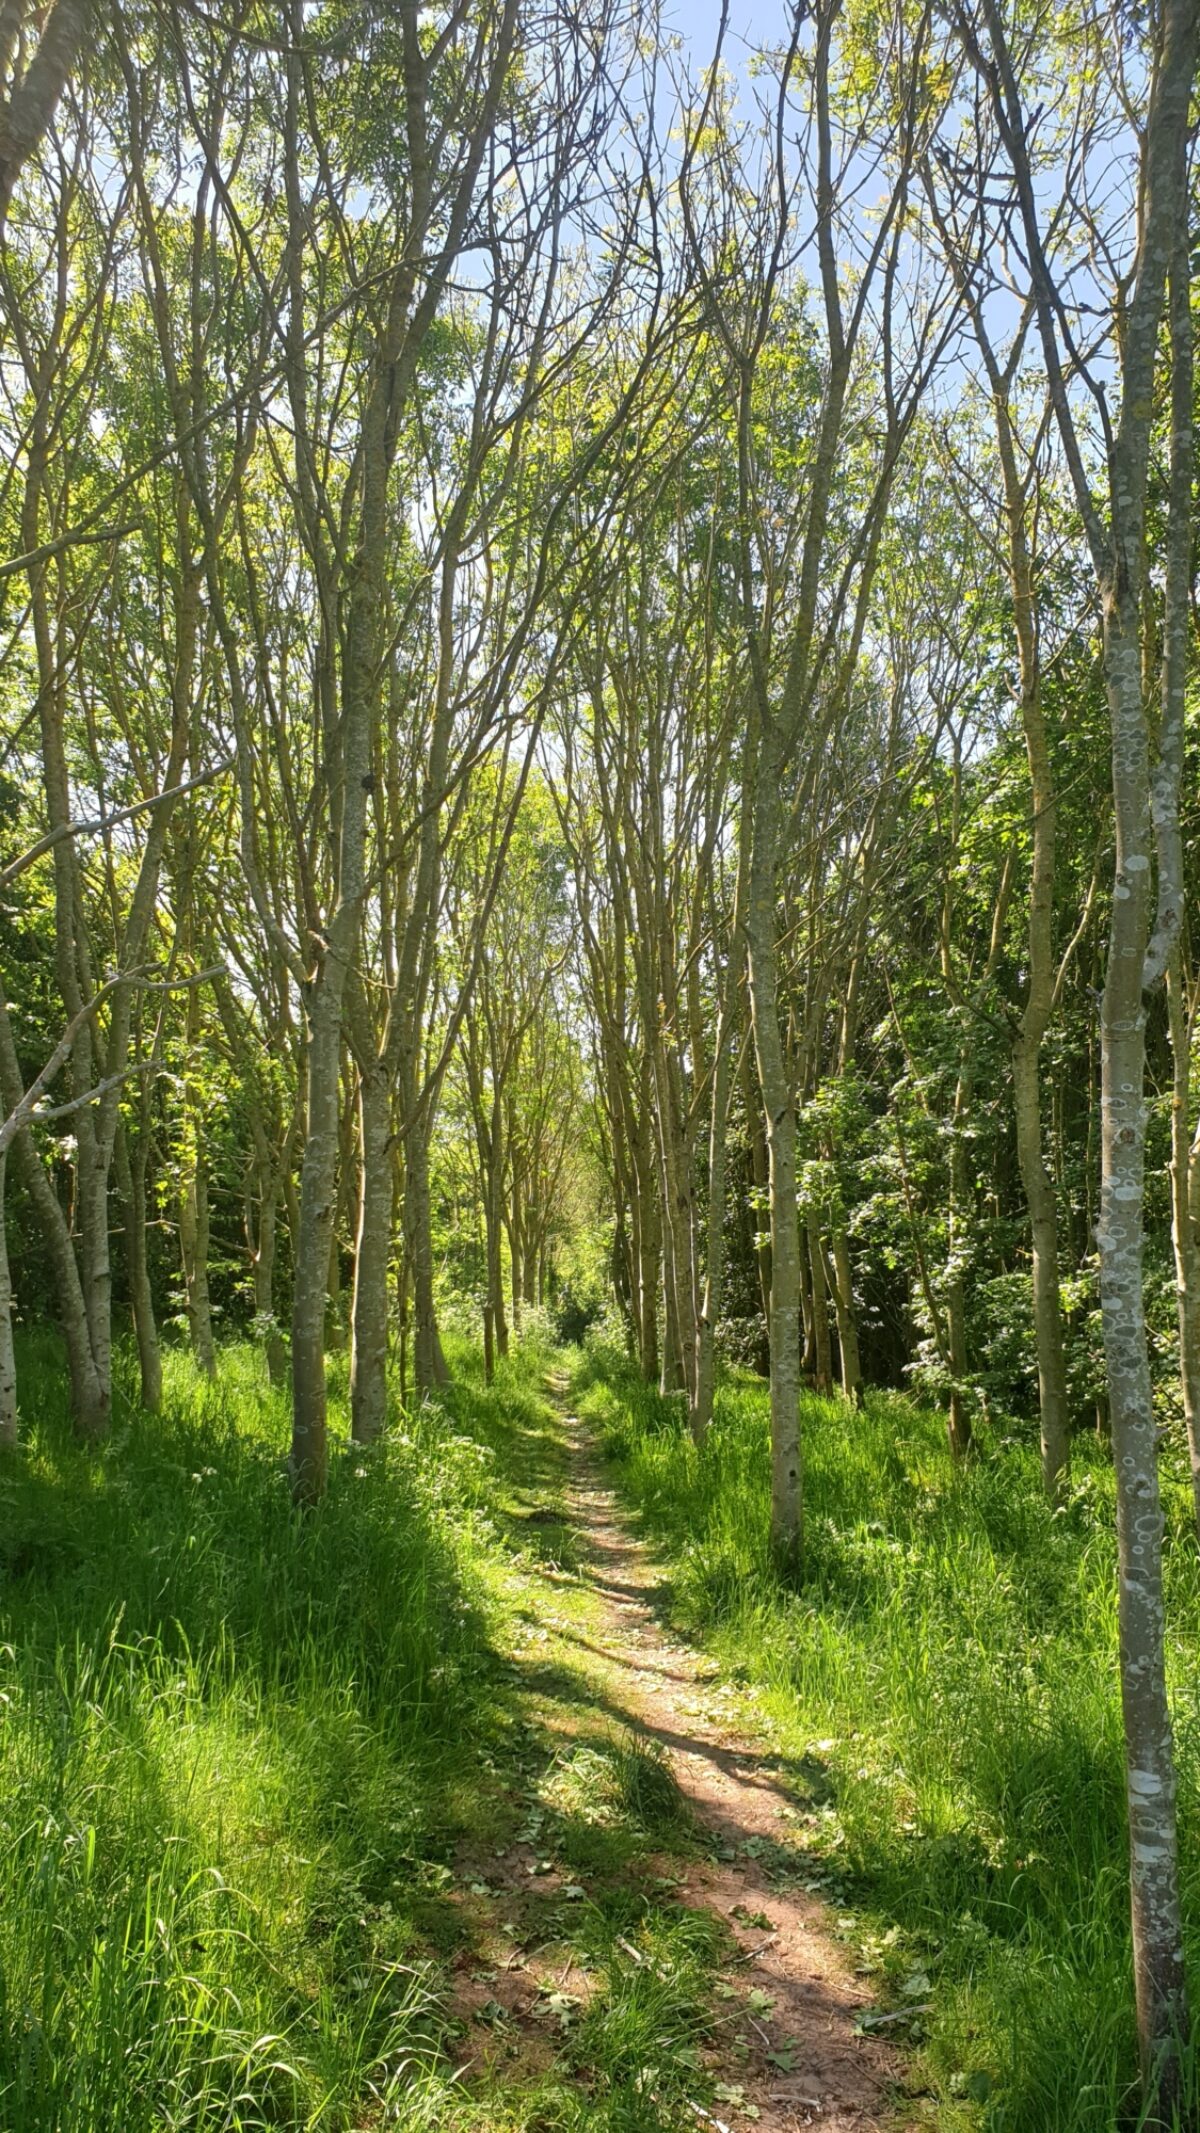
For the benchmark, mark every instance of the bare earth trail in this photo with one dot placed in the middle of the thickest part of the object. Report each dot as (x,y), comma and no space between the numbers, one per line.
(792,2056)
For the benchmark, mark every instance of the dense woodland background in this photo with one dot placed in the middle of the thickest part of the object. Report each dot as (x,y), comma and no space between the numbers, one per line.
(598,746)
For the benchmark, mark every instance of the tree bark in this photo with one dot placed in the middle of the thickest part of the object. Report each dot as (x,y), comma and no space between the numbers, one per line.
(8,1360)
(1042,1202)
(780,1126)
(193,1241)
(823,1355)
(1185,1217)
(131,1180)
(369,1351)
(842,1289)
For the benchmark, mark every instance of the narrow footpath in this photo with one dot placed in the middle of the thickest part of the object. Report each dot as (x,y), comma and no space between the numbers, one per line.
(785,2052)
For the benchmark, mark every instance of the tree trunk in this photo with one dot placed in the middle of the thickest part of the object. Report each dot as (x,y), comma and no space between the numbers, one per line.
(648,1255)
(8,1360)
(842,1287)
(718,1131)
(779,1119)
(1150,1760)
(1042,1202)
(91,1398)
(131,1179)
(193,1241)
(369,1350)
(264,1280)
(714,1272)
(429,1364)
(1185,1218)
(495,1230)
(958,1421)
(318,1194)
(670,1377)
(823,1357)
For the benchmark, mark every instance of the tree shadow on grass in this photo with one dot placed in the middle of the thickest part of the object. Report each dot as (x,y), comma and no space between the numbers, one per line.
(306,1710)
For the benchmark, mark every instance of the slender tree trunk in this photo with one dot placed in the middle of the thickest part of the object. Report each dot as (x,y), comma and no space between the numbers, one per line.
(1040,1194)
(265,1248)
(842,1288)
(679,1241)
(1042,1202)
(1176,662)
(131,1179)
(515,1231)
(90,1397)
(761,1172)
(193,1242)
(958,1422)
(314,1237)
(429,1364)
(714,1272)
(345,1211)
(402,1318)
(670,1378)
(718,1133)
(369,1349)
(779,1116)
(823,1356)
(8,1360)
(495,1230)
(1185,1217)
(649,1271)
(1150,1760)
(1118,547)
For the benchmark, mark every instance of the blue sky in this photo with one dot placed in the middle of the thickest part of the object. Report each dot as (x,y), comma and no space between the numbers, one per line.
(750,21)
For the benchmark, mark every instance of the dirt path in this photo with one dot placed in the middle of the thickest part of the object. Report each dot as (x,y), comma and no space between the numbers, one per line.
(593,1645)
(836,2079)
(806,2063)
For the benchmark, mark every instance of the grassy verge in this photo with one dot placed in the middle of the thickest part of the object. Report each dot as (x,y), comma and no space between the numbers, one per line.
(946,1682)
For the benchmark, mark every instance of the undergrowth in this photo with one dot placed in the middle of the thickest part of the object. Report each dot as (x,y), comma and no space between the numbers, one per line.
(945,1684)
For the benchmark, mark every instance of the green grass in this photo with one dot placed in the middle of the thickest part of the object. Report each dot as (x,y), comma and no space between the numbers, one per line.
(234,1742)
(945,1684)
(245,1754)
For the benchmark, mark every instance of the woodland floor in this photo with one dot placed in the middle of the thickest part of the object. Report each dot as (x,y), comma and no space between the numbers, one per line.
(781,2048)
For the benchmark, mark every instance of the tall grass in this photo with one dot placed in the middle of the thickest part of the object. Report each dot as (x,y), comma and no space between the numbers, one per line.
(232,1741)
(945,1680)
